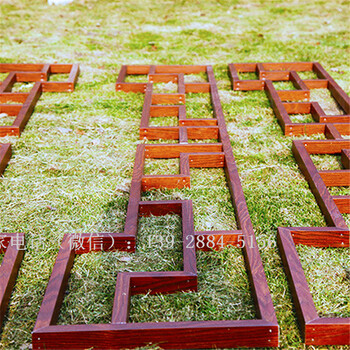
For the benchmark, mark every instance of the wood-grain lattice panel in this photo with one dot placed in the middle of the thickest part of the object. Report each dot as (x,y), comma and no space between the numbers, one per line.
(119,334)
(287,102)
(5,156)
(21,104)
(315,330)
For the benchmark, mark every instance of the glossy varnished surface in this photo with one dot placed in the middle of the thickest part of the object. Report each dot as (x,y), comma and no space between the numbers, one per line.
(261,332)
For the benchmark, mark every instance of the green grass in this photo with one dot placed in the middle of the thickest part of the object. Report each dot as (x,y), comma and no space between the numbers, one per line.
(79,181)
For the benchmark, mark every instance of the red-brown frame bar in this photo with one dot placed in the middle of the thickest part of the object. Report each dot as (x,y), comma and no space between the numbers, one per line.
(12,244)
(260,332)
(5,156)
(269,72)
(327,203)
(25,102)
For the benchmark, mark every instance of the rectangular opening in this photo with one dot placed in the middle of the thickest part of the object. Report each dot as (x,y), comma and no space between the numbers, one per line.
(90,292)
(159,244)
(326,161)
(12,99)
(163,121)
(248,76)
(22,87)
(6,120)
(58,77)
(136,78)
(153,142)
(198,106)
(328,276)
(307,75)
(203,141)
(196,78)
(161,166)
(212,206)
(165,88)
(347,218)
(301,118)
(283,85)
(223,294)
(326,101)
(339,191)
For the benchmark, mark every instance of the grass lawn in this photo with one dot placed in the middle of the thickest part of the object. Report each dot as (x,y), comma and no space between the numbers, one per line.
(78,181)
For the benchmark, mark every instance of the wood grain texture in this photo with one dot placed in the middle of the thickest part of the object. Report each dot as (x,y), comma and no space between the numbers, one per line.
(9,269)
(269,72)
(315,330)
(120,333)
